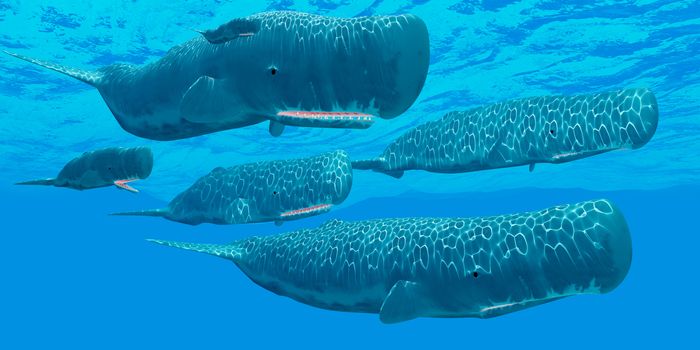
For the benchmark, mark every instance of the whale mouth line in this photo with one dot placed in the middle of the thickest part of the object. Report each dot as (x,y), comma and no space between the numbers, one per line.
(347,116)
(307,210)
(124,184)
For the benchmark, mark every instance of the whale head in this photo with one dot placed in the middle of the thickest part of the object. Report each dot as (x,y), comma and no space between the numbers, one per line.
(598,123)
(275,191)
(273,64)
(107,167)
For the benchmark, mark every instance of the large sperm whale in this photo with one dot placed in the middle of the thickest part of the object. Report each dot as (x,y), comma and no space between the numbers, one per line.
(276,191)
(101,168)
(549,129)
(440,267)
(287,68)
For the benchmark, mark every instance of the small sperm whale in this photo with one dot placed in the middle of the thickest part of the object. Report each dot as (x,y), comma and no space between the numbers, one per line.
(287,68)
(440,267)
(276,191)
(101,168)
(550,129)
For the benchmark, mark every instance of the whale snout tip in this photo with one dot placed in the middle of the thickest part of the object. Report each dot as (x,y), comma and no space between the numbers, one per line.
(643,115)
(142,161)
(617,244)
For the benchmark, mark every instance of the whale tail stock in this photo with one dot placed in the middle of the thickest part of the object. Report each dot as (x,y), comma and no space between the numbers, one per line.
(376,164)
(227,251)
(151,212)
(41,182)
(89,77)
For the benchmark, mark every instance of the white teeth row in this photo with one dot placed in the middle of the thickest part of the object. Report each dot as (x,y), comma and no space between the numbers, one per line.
(305,210)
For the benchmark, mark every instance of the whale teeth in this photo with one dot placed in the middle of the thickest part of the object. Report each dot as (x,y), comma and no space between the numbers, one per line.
(327,115)
(319,119)
(123,184)
(307,210)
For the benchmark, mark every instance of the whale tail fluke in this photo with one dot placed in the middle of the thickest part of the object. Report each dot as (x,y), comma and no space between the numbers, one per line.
(376,164)
(41,182)
(88,77)
(226,251)
(150,212)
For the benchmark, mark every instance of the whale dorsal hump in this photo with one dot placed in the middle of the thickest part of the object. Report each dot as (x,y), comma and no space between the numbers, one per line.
(239,27)
(406,300)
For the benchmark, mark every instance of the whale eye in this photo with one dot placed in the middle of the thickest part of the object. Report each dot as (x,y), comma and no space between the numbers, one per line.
(551,132)
(273,70)
(274,192)
(475,274)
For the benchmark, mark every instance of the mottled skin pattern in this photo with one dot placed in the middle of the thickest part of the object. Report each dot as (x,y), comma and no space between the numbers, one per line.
(523,132)
(263,191)
(295,61)
(441,267)
(101,168)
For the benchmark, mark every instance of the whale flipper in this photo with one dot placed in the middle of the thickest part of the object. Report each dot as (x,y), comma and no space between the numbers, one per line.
(42,182)
(205,101)
(376,164)
(239,27)
(405,301)
(92,78)
(276,128)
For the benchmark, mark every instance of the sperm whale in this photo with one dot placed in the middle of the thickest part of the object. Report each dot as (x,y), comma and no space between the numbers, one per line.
(549,129)
(276,191)
(440,267)
(101,168)
(288,68)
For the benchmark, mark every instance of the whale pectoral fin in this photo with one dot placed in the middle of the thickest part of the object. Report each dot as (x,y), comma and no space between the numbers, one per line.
(532,167)
(320,119)
(276,128)
(124,184)
(397,174)
(406,300)
(237,28)
(205,101)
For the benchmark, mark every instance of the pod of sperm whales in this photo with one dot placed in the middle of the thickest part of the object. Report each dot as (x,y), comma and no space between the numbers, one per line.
(523,132)
(287,68)
(440,267)
(101,168)
(277,191)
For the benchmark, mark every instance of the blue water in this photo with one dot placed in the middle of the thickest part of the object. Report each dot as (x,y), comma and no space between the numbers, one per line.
(72,277)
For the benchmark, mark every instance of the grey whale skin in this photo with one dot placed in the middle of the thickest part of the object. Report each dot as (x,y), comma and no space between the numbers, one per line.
(288,68)
(440,267)
(276,191)
(548,129)
(112,166)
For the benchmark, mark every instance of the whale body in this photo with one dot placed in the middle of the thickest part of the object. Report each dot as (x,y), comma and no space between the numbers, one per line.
(440,267)
(548,129)
(276,191)
(288,68)
(113,166)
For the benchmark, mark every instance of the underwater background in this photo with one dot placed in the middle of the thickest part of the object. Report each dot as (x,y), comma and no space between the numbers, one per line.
(71,276)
